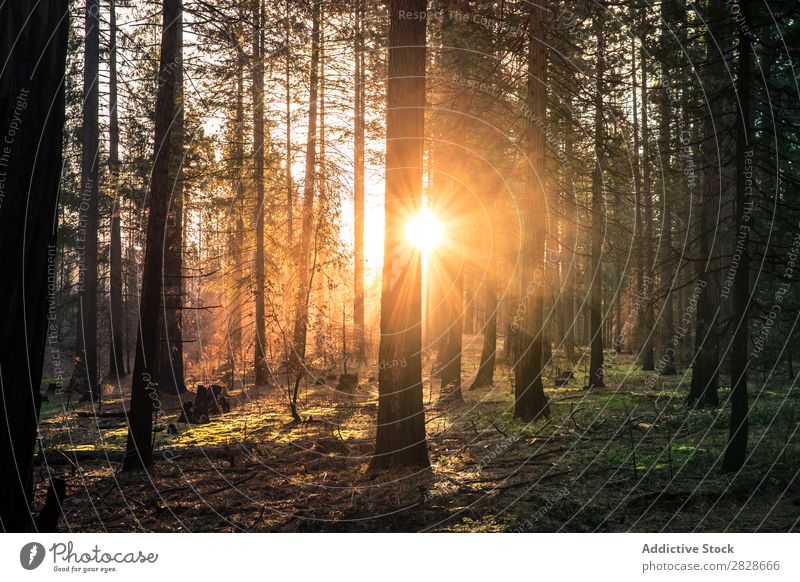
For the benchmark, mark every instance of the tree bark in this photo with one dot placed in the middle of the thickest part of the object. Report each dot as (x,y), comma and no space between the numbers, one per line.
(530,402)
(400,440)
(646,355)
(139,449)
(598,216)
(90,152)
(705,370)
(117,352)
(260,357)
(358,188)
(303,263)
(736,450)
(170,377)
(32,114)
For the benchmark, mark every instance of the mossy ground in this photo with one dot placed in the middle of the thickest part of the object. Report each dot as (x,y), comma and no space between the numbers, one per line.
(626,457)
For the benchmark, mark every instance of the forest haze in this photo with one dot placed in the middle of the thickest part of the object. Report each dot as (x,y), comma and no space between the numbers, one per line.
(399,265)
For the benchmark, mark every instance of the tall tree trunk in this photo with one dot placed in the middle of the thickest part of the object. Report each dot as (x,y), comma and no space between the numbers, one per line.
(260,357)
(358,188)
(452,204)
(485,375)
(117,352)
(90,152)
(139,449)
(569,253)
(303,264)
(170,378)
(640,333)
(736,450)
(530,402)
(646,356)
(237,211)
(598,215)
(400,439)
(288,87)
(32,110)
(705,369)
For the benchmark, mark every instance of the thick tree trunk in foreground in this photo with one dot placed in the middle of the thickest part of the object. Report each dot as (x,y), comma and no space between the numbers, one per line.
(32,116)
(117,348)
(530,401)
(139,449)
(400,440)
(598,215)
(736,451)
(170,377)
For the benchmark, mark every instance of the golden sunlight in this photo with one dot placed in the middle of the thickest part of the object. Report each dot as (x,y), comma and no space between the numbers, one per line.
(425,231)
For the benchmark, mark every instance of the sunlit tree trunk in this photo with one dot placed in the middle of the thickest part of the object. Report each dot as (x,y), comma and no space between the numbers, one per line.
(400,439)
(358,188)
(303,259)
(530,401)
(237,216)
(139,449)
(260,358)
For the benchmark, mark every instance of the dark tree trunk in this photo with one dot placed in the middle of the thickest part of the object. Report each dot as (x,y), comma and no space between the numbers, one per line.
(32,114)
(736,450)
(640,330)
(303,260)
(598,214)
(400,438)
(260,358)
(170,377)
(485,375)
(117,352)
(90,152)
(139,449)
(646,356)
(358,189)
(530,402)
(705,370)
(569,251)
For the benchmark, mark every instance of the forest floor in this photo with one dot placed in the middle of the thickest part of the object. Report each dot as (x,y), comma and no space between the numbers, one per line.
(628,457)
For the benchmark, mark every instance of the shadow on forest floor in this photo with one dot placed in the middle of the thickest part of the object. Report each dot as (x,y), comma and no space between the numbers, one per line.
(626,458)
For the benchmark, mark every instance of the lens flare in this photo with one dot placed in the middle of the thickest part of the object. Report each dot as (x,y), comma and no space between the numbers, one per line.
(425,231)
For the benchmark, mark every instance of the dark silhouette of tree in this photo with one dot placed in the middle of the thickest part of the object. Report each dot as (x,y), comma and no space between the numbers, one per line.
(33,48)
(400,439)
(144,383)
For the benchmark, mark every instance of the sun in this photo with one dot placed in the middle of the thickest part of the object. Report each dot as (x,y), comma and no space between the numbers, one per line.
(425,231)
